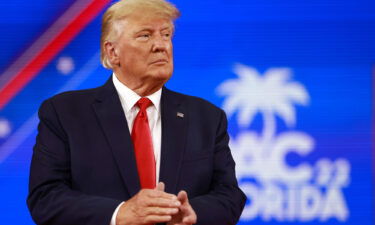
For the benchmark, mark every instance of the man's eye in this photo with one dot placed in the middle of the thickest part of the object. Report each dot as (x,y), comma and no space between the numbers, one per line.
(167,35)
(143,36)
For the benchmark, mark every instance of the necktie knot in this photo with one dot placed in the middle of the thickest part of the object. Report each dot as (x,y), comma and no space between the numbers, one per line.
(143,103)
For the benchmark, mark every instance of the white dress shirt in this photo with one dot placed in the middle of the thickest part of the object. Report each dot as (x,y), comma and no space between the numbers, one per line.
(128,99)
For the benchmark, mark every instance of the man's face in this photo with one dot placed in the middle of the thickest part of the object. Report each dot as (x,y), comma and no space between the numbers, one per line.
(144,50)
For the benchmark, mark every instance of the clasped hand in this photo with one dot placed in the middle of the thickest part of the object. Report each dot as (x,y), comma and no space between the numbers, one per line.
(150,206)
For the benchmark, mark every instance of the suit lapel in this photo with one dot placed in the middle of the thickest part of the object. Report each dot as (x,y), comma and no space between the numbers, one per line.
(112,119)
(174,127)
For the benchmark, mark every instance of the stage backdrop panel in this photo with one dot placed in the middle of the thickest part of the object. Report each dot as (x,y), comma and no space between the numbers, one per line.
(294,77)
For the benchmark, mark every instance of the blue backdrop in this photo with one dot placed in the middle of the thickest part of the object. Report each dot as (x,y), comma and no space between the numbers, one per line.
(295,78)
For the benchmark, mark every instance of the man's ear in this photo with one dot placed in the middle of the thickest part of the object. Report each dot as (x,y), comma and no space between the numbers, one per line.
(110,51)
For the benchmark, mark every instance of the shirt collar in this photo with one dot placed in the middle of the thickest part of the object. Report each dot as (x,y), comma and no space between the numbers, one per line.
(129,97)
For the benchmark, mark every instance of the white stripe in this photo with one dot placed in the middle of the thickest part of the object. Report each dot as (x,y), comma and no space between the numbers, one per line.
(18,137)
(42,41)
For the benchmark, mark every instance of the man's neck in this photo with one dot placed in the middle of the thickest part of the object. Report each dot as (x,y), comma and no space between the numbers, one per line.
(142,88)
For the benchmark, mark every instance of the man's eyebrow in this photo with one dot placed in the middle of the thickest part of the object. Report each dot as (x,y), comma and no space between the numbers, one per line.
(149,29)
(166,28)
(143,29)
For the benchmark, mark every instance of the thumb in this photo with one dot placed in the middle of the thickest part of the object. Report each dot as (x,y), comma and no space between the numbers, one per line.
(182,196)
(160,186)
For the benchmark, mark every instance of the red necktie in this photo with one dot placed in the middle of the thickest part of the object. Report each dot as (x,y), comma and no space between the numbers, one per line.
(143,148)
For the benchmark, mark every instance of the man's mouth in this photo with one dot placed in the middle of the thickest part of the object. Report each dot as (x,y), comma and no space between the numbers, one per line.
(160,62)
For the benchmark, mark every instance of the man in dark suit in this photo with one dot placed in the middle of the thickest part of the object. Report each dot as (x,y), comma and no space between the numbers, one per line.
(132,151)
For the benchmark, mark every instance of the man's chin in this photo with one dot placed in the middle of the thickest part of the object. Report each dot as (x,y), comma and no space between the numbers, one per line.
(162,75)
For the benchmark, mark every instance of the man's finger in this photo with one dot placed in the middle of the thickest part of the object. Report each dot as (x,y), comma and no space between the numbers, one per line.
(163,202)
(191,219)
(160,186)
(157,219)
(160,194)
(159,211)
(189,216)
(182,197)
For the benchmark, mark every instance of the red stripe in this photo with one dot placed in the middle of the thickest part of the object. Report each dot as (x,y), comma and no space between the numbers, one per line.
(42,58)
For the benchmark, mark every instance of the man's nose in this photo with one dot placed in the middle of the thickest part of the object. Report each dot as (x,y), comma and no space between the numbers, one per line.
(159,44)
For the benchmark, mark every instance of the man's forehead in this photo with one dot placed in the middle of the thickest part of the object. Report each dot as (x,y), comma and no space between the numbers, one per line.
(134,26)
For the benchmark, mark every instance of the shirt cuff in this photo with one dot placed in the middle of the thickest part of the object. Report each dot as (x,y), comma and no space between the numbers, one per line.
(113,220)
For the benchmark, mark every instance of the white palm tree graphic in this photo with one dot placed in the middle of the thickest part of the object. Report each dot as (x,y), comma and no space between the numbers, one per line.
(270,94)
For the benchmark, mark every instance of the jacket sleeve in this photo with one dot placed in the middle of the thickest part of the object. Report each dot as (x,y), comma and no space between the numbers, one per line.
(224,203)
(51,199)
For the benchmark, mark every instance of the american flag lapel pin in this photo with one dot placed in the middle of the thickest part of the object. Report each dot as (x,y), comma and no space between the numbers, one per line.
(180,114)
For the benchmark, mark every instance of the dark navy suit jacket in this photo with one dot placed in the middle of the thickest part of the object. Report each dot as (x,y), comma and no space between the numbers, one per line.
(83,165)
